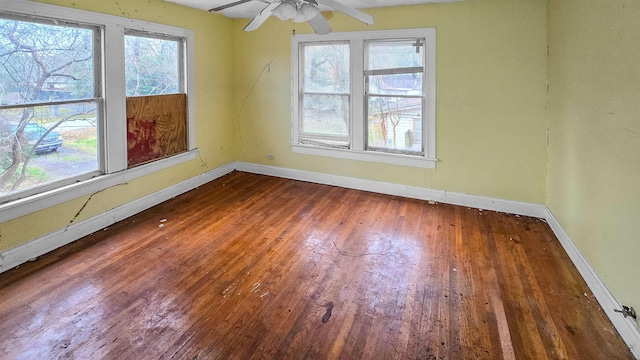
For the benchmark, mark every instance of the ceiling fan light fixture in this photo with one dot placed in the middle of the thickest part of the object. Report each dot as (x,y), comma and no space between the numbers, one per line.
(286,10)
(306,12)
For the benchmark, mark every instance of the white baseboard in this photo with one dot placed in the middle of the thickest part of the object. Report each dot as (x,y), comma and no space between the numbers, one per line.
(626,326)
(474,201)
(22,253)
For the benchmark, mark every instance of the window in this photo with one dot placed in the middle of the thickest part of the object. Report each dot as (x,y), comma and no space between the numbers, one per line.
(394,95)
(50,102)
(366,96)
(156,102)
(64,78)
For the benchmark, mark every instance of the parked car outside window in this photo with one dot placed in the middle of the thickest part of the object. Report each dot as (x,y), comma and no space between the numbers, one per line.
(32,133)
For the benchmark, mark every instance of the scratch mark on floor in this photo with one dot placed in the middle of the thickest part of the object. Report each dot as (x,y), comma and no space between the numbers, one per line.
(344,253)
(227,289)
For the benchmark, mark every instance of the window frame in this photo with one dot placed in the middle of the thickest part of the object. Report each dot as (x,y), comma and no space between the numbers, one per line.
(112,126)
(97,99)
(357,113)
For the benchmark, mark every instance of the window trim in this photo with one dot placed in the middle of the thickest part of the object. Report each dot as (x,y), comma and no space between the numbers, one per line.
(114,159)
(357,107)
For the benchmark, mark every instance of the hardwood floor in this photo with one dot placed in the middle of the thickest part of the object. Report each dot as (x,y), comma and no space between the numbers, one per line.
(250,266)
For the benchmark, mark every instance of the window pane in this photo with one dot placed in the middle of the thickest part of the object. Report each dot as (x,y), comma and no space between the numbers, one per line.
(395,124)
(394,54)
(42,63)
(152,66)
(326,68)
(45,144)
(398,84)
(325,115)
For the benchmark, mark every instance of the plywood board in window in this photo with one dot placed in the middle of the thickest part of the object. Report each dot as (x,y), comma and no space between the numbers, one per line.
(156,127)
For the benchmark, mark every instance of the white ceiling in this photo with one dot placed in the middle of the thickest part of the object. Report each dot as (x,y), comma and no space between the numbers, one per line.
(252,8)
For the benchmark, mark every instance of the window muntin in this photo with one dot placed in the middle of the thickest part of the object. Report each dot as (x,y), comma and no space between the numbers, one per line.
(325,96)
(392,78)
(50,104)
(153,64)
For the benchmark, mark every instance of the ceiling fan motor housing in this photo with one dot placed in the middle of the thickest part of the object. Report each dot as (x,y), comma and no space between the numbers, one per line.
(298,10)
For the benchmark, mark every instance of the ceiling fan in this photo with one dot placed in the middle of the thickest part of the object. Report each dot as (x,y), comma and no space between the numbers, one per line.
(300,11)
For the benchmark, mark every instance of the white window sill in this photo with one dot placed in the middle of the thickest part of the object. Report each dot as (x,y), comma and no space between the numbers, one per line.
(27,205)
(371,156)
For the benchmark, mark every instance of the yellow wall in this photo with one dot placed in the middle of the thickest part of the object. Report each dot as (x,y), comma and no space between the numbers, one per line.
(216,138)
(491,65)
(594,150)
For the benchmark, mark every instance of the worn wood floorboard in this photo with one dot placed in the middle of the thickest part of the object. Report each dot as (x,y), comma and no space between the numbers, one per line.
(257,267)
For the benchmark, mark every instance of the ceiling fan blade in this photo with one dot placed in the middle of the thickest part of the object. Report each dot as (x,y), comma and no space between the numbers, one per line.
(320,25)
(354,13)
(222,7)
(262,17)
